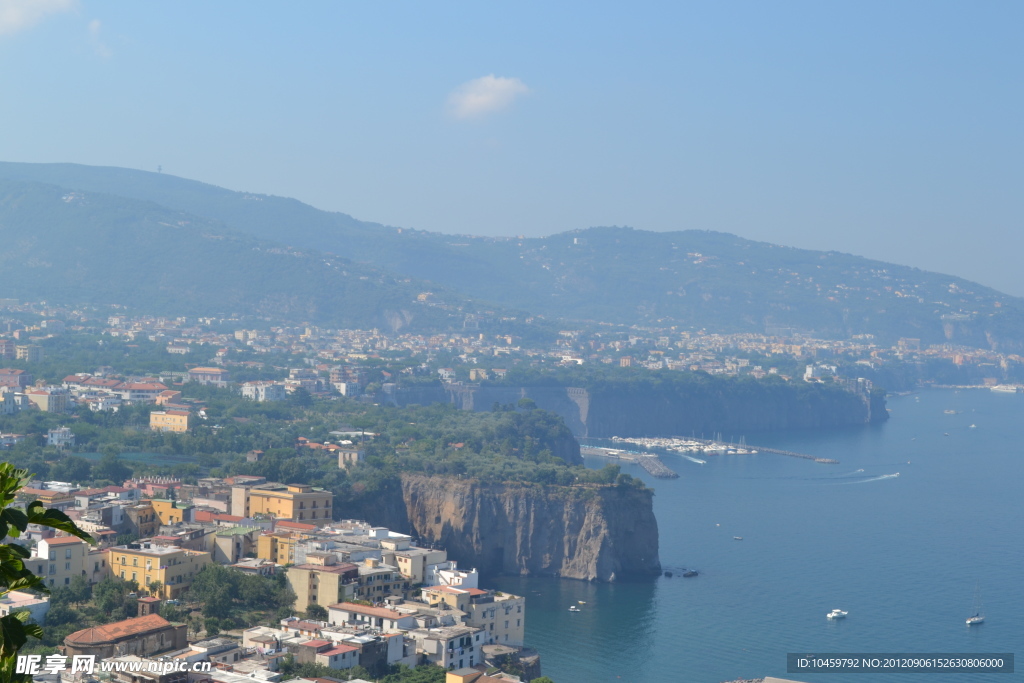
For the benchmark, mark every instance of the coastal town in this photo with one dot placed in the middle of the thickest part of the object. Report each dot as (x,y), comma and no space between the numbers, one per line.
(348,597)
(376,358)
(361,596)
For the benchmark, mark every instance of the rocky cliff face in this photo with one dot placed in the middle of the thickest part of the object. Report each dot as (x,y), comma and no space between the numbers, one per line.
(599,533)
(639,410)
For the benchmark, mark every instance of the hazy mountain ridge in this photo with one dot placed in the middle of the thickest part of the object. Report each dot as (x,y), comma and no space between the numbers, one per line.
(692,278)
(86,247)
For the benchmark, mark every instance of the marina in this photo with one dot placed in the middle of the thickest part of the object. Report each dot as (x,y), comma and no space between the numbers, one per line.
(709,447)
(910,583)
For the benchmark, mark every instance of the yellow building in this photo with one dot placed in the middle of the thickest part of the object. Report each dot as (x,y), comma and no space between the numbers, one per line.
(49,399)
(169,420)
(297,502)
(171,511)
(277,548)
(147,562)
(58,560)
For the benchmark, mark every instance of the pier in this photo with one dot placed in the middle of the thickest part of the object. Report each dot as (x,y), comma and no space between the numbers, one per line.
(649,461)
(655,467)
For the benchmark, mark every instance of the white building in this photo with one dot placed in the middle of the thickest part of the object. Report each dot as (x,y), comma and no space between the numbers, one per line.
(17,601)
(448,574)
(62,437)
(450,646)
(263,391)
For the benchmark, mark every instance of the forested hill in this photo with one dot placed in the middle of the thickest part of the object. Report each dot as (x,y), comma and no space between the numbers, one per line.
(91,248)
(691,278)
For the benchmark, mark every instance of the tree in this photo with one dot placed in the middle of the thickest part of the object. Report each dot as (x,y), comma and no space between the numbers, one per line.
(14,575)
(301,398)
(542,679)
(154,587)
(110,467)
(316,612)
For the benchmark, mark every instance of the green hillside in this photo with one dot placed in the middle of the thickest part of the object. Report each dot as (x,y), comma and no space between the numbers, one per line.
(690,278)
(85,247)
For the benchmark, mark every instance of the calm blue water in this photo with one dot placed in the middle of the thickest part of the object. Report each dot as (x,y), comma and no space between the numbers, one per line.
(902,555)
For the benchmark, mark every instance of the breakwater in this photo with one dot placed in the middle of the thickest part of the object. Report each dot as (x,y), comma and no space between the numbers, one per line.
(649,461)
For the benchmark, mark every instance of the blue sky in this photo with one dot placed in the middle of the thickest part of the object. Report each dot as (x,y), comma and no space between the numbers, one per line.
(891,130)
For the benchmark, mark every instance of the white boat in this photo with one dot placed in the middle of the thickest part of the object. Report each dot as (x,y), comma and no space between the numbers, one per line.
(574,608)
(836,614)
(978,618)
(1005,389)
(737,538)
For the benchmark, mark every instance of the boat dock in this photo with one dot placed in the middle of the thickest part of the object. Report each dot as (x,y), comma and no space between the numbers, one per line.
(695,445)
(649,461)
(778,451)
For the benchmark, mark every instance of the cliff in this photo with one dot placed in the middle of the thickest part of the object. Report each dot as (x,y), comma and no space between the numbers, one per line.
(647,408)
(600,533)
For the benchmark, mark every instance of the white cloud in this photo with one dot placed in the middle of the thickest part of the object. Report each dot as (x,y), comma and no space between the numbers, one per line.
(94,34)
(17,15)
(484,95)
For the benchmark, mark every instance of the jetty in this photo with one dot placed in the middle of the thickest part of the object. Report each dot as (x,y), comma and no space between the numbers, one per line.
(649,461)
(655,467)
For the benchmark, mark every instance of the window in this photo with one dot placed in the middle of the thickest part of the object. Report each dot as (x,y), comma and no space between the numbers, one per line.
(67,554)
(53,569)
(67,580)
(122,573)
(506,623)
(519,609)
(67,565)
(135,562)
(519,622)
(135,577)
(53,554)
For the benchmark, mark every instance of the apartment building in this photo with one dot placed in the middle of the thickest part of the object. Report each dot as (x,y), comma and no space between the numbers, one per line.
(323,584)
(58,560)
(169,420)
(298,502)
(146,562)
(501,616)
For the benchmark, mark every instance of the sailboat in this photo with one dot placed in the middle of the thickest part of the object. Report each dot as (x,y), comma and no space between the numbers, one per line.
(978,618)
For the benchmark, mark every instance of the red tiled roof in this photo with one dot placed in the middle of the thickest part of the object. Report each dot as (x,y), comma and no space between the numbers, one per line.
(64,540)
(118,630)
(341,649)
(316,643)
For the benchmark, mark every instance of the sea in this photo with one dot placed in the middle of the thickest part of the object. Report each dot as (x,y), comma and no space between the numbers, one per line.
(906,556)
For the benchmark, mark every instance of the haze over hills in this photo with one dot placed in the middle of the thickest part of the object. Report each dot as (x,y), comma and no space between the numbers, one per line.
(85,247)
(690,278)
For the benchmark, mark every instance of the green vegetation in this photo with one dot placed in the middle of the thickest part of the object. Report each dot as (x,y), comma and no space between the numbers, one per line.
(14,575)
(158,260)
(82,605)
(231,599)
(693,279)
